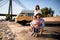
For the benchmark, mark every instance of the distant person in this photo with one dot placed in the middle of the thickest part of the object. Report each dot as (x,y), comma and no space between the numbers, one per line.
(37,10)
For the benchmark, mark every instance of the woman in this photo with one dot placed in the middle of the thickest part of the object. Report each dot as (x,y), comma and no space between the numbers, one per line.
(37,10)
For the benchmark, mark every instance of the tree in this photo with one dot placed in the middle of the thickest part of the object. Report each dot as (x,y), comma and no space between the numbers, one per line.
(51,12)
(44,11)
(47,12)
(8,17)
(57,15)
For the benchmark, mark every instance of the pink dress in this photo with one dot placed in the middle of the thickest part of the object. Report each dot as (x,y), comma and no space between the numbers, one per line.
(34,22)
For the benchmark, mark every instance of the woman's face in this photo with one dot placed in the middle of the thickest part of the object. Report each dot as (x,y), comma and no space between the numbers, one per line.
(37,8)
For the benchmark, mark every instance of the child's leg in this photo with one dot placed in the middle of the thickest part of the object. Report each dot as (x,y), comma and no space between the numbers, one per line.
(35,32)
(31,28)
(41,31)
(32,34)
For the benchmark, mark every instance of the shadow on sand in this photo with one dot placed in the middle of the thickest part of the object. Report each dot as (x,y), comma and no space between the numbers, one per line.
(47,25)
(55,36)
(25,24)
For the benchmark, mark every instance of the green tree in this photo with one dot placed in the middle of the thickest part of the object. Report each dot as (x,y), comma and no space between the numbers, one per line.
(8,17)
(46,12)
(51,12)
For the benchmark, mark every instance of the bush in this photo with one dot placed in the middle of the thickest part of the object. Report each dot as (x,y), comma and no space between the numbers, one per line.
(8,17)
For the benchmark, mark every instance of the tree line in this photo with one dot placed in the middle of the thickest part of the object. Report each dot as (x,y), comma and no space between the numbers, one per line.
(47,12)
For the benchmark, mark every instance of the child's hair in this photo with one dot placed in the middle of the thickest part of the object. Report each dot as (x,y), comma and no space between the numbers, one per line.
(35,16)
(39,14)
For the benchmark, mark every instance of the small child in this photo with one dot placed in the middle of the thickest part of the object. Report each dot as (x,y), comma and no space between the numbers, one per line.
(34,26)
(33,22)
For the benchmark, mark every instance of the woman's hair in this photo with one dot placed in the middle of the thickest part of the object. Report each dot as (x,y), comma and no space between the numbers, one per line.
(36,7)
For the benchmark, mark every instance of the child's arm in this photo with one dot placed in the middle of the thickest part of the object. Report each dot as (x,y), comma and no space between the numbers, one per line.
(42,24)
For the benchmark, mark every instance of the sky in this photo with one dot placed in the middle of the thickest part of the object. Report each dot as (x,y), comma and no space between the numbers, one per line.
(19,5)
